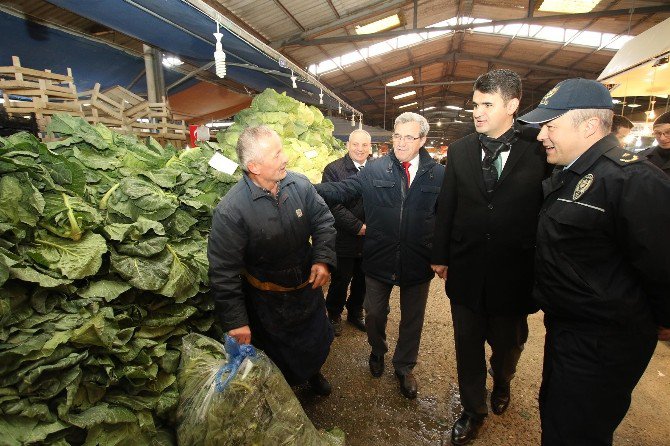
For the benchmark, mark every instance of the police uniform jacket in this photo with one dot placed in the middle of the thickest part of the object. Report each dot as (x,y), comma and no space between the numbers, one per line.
(350,216)
(399,220)
(602,243)
(268,238)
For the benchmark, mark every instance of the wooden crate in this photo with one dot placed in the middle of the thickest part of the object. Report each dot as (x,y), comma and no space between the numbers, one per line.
(100,108)
(45,93)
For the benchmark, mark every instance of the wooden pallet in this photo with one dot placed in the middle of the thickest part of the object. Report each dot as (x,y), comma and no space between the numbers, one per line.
(45,93)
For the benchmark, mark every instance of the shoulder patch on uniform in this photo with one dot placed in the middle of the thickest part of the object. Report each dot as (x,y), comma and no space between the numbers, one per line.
(582,186)
(622,156)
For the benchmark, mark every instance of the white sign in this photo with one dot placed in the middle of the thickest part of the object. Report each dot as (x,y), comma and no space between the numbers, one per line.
(311,154)
(223,164)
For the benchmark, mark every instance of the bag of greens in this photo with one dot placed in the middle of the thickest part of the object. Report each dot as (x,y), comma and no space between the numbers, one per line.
(237,396)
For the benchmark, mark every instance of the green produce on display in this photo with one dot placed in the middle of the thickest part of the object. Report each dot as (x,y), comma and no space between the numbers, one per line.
(103,270)
(256,406)
(307,137)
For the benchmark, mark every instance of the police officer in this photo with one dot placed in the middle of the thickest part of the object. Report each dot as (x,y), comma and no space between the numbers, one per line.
(601,266)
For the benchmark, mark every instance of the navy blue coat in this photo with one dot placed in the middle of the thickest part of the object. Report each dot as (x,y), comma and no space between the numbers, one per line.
(399,220)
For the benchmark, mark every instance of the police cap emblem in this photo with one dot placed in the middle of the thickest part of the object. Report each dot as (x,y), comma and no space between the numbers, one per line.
(582,187)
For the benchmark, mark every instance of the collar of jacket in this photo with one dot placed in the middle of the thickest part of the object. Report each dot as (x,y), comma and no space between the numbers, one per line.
(257,192)
(349,163)
(425,161)
(586,160)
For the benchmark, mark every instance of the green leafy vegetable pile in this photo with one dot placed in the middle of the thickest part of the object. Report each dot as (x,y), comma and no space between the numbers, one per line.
(103,269)
(307,137)
(257,407)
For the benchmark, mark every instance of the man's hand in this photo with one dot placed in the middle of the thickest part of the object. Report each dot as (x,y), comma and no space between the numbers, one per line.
(440,270)
(319,275)
(663,334)
(242,335)
(362,230)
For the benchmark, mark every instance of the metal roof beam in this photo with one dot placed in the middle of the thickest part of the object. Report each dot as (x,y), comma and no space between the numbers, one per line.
(526,20)
(376,9)
(453,57)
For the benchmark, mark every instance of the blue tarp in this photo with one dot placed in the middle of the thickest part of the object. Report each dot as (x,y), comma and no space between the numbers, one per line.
(178,28)
(40,47)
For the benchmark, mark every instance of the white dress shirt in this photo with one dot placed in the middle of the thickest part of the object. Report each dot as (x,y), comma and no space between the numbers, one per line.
(413,168)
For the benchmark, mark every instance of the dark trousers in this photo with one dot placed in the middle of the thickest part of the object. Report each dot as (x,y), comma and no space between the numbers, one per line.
(587,381)
(349,270)
(506,334)
(412,309)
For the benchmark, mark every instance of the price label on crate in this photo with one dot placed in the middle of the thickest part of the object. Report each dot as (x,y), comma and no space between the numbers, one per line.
(223,164)
(311,154)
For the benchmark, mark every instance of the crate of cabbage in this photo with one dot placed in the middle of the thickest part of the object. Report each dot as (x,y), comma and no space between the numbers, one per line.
(307,137)
(103,270)
(237,396)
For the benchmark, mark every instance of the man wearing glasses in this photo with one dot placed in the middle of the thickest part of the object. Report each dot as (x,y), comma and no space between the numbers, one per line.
(399,192)
(660,155)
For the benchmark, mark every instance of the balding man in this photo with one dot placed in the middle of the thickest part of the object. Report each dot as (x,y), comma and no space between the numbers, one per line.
(350,225)
(264,273)
(601,266)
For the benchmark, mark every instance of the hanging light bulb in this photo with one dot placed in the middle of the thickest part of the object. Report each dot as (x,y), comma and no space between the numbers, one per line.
(293,79)
(353,120)
(321,97)
(651,114)
(219,55)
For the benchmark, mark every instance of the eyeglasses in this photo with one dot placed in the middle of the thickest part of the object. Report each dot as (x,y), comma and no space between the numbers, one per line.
(657,134)
(406,138)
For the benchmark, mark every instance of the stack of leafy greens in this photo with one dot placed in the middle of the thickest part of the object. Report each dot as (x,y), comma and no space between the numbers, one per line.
(103,269)
(307,137)
(257,407)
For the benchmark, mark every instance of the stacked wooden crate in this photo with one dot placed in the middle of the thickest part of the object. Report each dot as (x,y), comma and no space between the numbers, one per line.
(98,107)
(43,93)
(127,112)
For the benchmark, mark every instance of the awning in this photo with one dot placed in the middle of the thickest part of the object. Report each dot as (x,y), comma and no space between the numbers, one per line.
(632,69)
(179,28)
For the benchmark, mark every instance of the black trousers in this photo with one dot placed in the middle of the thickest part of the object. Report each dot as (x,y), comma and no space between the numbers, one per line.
(349,270)
(506,334)
(587,381)
(412,310)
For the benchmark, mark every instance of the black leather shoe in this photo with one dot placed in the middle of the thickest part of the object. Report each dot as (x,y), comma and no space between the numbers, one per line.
(336,323)
(465,429)
(320,385)
(500,396)
(376,365)
(408,385)
(357,320)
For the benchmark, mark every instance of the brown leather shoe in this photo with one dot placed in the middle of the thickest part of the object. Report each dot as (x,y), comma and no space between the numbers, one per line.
(376,365)
(465,429)
(408,385)
(500,397)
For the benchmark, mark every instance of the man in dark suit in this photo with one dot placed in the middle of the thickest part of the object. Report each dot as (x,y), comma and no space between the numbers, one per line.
(399,192)
(484,244)
(350,225)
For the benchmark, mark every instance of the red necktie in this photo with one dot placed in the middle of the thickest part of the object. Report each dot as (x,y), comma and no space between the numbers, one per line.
(406,165)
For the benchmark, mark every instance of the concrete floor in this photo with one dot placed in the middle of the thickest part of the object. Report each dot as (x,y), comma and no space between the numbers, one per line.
(373,413)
